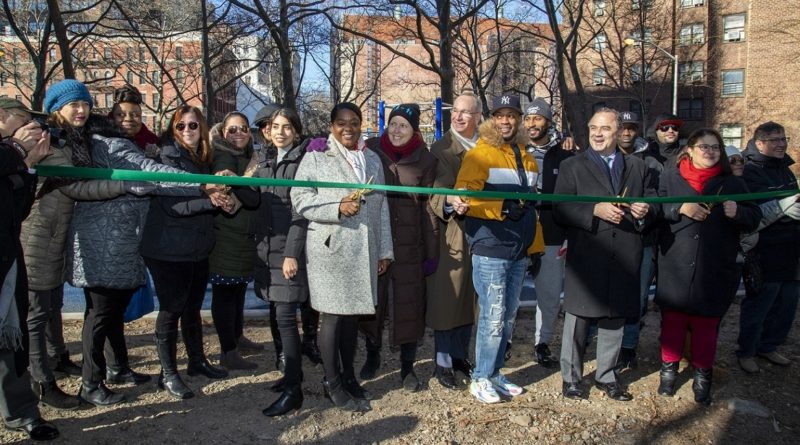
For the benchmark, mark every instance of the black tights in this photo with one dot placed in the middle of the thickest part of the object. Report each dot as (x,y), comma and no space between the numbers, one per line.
(338,336)
(227,310)
(181,289)
(286,320)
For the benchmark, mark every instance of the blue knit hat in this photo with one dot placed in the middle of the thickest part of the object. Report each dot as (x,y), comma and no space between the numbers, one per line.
(64,92)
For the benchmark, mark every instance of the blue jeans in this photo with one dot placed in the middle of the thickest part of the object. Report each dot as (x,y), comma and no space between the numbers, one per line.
(766,319)
(498,283)
(630,336)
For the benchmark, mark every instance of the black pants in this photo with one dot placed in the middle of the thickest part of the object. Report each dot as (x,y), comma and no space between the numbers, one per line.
(286,319)
(408,351)
(308,316)
(338,336)
(227,310)
(105,309)
(45,330)
(454,342)
(181,289)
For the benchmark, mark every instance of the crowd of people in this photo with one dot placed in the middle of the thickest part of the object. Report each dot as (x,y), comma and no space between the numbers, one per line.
(355,259)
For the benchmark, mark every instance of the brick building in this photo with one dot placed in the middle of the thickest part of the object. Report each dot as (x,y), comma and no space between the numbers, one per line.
(737,60)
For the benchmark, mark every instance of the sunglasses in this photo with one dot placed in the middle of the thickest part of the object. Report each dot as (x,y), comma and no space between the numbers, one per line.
(180,126)
(668,128)
(234,129)
(736,161)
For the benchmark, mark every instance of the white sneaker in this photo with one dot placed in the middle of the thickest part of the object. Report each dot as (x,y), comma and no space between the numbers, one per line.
(503,386)
(483,390)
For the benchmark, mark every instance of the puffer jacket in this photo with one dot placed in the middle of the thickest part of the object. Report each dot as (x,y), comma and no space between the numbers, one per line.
(280,231)
(104,238)
(44,232)
(235,248)
(179,228)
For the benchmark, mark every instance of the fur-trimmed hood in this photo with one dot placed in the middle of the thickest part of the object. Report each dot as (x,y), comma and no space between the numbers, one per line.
(218,142)
(491,135)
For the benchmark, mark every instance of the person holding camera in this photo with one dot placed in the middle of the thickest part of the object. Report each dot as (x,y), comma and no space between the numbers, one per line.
(24,143)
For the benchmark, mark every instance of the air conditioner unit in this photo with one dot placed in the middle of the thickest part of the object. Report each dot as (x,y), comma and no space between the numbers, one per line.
(599,12)
(600,81)
(734,36)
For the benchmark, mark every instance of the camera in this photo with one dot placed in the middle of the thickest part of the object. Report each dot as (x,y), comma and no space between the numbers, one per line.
(42,123)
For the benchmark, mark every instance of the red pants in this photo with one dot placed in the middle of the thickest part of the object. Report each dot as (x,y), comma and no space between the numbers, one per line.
(674,326)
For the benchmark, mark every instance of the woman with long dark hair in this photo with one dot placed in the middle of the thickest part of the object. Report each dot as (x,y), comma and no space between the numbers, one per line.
(348,244)
(177,241)
(415,231)
(697,271)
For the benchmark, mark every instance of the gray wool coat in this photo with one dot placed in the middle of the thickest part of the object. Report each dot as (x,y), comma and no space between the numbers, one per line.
(342,253)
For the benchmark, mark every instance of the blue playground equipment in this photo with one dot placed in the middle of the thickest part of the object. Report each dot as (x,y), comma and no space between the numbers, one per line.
(437,107)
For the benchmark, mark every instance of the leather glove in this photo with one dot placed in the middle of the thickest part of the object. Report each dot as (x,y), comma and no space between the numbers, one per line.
(429,266)
(318,144)
(536,265)
(140,188)
(513,209)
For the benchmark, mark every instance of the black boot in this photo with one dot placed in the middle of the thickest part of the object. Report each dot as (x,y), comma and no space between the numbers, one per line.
(99,395)
(702,386)
(169,379)
(198,363)
(280,359)
(311,350)
(280,384)
(409,377)
(290,399)
(339,396)
(445,377)
(66,367)
(350,384)
(51,395)
(371,365)
(463,365)
(668,375)
(124,374)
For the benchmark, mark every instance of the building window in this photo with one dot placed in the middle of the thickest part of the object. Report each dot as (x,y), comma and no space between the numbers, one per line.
(691,3)
(107,53)
(129,78)
(180,78)
(637,35)
(599,8)
(142,77)
(144,99)
(141,54)
(691,72)
(156,98)
(109,100)
(733,28)
(600,41)
(733,83)
(598,106)
(599,76)
(732,134)
(107,76)
(693,34)
(637,4)
(179,53)
(2,79)
(52,54)
(690,109)
(155,77)
(129,53)
(638,72)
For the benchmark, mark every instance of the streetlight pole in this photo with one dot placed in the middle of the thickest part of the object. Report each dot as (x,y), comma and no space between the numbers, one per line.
(633,40)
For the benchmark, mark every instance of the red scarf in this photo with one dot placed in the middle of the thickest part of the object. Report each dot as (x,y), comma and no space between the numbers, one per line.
(145,137)
(397,153)
(697,177)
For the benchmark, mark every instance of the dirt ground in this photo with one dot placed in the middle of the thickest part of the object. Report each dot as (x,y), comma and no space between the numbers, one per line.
(763,408)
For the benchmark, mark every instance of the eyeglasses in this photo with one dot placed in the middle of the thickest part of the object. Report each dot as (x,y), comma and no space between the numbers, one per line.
(457,112)
(783,139)
(233,129)
(666,128)
(708,148)
(736,161)
(180,126)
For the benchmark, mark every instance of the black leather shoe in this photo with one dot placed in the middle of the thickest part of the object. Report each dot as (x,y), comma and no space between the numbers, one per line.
(668,375)
(51,395)
(572,390)
(411,382)
(311,351)
(542,356)
(702,386)
(290,399)
(464,366)
(278,386)
(351,385)
(371,365)
(39,429)
(174,385)
(100,395)
(125,374)
(445,377)
(204,367)
(627,359)
(337,394)
(614,391)
(66,367)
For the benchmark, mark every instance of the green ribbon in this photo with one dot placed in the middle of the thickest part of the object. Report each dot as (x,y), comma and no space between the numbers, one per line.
(136,175)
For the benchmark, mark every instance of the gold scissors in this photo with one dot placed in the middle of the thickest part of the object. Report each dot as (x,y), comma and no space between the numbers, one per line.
(710,205)
(358,195)
(620,205)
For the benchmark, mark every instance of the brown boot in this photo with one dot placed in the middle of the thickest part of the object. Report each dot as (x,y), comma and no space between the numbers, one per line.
(233,360)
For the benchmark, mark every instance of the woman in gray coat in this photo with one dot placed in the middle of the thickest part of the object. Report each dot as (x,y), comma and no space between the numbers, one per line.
(348,244)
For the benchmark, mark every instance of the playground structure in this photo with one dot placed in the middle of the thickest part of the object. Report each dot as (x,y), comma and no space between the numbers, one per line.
(436,106)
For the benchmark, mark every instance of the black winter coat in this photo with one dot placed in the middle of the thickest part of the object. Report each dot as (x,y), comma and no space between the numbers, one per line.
(603,259)
(280,231)
(554,234)
(778,245)
(17,191)
(179,228)
(697,269)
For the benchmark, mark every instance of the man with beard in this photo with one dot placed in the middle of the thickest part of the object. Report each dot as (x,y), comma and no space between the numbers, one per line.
(547,149)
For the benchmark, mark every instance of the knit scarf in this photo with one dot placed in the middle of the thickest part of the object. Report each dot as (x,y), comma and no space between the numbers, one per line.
(697,177)
(145,137)
(80,141)
(397,153)
(10,330)
(355,158)
(468,144)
